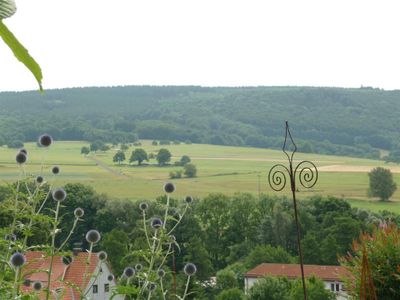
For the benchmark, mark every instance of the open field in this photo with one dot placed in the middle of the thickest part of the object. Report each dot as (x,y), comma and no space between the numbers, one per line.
(220,169)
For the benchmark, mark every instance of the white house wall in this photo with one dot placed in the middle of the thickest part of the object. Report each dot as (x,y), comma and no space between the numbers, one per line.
(100,281)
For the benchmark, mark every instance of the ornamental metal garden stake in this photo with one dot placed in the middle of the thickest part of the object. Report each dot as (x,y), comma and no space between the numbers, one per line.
(306,173)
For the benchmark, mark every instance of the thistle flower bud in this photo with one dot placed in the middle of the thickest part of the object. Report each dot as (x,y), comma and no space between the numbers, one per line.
(66,260)
(138,267)
(129,272)
(39,179)
(27,283)
(188,199)
(93,236)
(45,140)
(169,187)
(102,255)
(110,277)
(55,170)
(59,194)
(143,206)
(152,286)
(37,285)
(156,223)
(23,150)
(17,260)
(161,273)
(190,269)
(21,158)
(10,237)
(79,212)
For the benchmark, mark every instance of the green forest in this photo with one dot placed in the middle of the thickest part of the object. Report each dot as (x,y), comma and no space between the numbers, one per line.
(352,122)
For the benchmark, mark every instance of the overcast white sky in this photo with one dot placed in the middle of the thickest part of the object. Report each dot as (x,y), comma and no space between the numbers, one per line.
(206,42)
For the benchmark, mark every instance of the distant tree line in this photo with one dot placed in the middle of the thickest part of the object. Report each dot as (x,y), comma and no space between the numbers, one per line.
(353,122)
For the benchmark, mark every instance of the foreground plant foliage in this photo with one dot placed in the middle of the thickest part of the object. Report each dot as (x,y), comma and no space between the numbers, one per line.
(382,251)
(35,210)
(7,9)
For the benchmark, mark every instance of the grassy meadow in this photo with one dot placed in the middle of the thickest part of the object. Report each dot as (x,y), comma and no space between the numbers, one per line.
(220,169)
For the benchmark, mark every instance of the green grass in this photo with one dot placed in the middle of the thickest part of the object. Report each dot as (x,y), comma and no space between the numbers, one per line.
(220,169)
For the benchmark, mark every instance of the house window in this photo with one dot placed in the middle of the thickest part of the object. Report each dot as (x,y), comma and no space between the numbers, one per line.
(332,287)
(95,289)
(337,287)
(106,288)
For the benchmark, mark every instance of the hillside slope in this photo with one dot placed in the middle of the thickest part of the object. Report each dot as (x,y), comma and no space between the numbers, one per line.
(338,121)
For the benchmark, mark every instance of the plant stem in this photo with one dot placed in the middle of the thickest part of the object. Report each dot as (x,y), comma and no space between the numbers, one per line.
(166,212)
(69,235)
(180,219)
(53,241)
(162,288)
(87,268)
(145,229)
(16,285)
(186,288)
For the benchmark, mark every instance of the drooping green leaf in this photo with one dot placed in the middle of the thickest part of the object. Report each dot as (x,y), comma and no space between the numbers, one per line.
(20,52)
(7,8)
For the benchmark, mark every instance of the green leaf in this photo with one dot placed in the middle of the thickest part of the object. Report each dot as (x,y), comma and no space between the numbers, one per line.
(20,52)
(7,8)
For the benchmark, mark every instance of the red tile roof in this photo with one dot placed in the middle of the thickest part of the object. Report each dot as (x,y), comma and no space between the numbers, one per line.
(293,271)
(62,276)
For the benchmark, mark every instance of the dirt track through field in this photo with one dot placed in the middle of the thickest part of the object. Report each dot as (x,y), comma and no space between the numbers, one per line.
(353,169)
(105,167)
(255,159)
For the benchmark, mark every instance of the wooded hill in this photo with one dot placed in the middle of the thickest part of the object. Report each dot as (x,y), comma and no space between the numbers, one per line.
(353,122)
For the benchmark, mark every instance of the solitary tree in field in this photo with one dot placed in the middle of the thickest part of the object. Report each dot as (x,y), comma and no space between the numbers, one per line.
(381,183)
(96,146)
(85,150)
(190,170)
(138,155)
(163,156)
(124,147)
(119,157)
(185,160)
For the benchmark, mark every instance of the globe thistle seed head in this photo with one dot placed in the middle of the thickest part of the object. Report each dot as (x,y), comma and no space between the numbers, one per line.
(190,269)
(17,260)
(156,223)
(37,285)
(39,179)
(10,237)
(169,188)
(110,277)
(59,194)
(23,150)
(161,273)
(102,255)
(27,283)
(66,260)
(143,206)
(79,212)
(152,286)
(188,199)
(21,158)
(55,170)
(129,272)
(138,267)
(93,236)
(45,140)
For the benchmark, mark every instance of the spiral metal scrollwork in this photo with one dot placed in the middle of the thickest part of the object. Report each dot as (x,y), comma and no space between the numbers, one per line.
(307,173)
(277,177)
